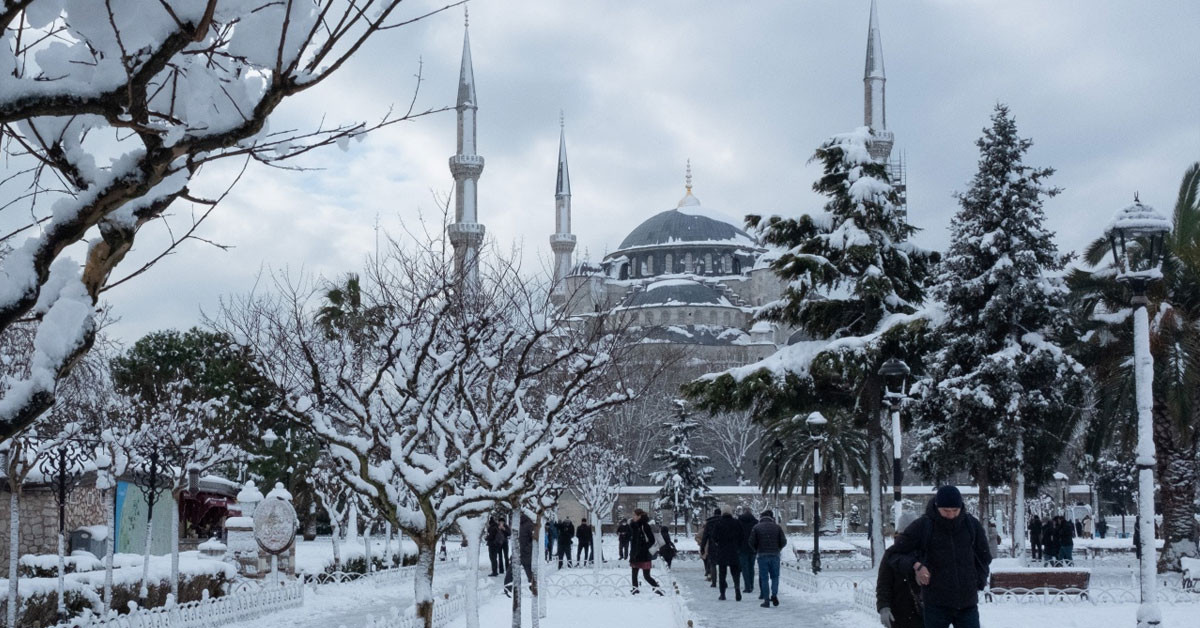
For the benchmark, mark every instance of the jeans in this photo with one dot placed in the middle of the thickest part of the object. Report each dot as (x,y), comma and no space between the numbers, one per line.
(768,576)
(942,617)
(1064,552)
(746,562)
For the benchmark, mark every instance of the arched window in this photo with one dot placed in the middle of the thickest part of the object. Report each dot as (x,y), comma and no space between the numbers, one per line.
(650,265)
(726,263)
(687,263)
(737,266)
(668,265)
(624,273)
(708,267)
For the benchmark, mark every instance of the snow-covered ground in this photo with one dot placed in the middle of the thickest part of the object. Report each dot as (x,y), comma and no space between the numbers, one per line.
(1026,615)
(314,556)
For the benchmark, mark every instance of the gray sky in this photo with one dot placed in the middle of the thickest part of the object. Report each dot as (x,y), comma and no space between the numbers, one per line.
(1108,90)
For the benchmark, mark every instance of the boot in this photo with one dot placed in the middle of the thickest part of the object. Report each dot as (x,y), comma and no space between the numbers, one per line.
(775,600)
(765,604)
(722,596)
(737,594)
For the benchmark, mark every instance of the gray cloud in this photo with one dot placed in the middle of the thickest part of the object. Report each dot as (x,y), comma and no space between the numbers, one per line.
(1107,89)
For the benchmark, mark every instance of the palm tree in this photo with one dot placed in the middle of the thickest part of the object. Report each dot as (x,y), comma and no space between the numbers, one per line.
(1175,344)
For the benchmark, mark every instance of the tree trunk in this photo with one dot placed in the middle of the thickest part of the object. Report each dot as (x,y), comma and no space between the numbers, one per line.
(423,578)
(352,524)
(874,440)
(597,554)
(538,609)
(515,565)
(387,545)
(144,591)
(337,550)
(175,549)
(472,529)
(1018,502)
(310,524)
(14,554)
(1177,491)
(111,521)
(367,546)
(985,495)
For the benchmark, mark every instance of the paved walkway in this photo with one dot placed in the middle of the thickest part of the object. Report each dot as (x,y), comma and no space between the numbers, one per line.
(796,609)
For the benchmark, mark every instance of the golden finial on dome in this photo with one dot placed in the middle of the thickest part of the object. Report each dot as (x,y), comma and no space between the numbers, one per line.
(688,178)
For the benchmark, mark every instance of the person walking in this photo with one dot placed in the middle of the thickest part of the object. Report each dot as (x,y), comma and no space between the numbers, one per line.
(1035,538)
(728,538)
(641,539)
(946,549)
(767,540)
(897,594)
(1088,528)
(583,534)
(993,539)
(1066,530)
(1050,542)
(566,532)
(551,537)
(668,550)
(705,542)
(495,543)
(745,554)
(623,540)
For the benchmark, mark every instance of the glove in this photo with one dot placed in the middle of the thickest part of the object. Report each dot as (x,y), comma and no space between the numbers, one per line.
(885,617)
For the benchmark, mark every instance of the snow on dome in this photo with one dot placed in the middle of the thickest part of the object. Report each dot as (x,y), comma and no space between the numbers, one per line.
(688,224)
(1138,220)
(688,200)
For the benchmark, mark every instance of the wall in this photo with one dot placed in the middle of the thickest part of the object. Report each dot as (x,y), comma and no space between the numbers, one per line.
(38,527)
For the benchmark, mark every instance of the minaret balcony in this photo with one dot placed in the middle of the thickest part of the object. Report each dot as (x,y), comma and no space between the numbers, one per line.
(466,166)
(465,233)
(562,242)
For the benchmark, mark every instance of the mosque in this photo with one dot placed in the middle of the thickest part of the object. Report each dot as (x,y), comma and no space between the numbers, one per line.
(686,277)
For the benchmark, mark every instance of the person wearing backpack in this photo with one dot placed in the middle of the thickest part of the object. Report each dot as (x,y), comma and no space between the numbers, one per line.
(897,594)
(946,549)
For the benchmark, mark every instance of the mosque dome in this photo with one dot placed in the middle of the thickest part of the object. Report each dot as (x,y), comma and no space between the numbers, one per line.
(678,292)
(683,224)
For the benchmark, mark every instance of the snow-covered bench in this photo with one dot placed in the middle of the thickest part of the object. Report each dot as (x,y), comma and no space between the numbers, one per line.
(1191,572)
(1040,580)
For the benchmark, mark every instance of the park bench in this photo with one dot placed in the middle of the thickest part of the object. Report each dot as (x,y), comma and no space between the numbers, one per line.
(1040,581)
(1191,573)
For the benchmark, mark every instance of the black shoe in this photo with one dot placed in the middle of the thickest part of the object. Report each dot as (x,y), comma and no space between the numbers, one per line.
(737,594)
(775,600)
(493,575)
(750,590)
(658,591)
(714,583)
(765,604)
(722,597)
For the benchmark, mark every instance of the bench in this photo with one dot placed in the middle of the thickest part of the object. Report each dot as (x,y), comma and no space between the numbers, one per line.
(1191,573)
(1040,580)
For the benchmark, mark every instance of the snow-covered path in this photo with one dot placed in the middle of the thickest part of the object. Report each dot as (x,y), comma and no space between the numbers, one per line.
(336,605)
(795,610)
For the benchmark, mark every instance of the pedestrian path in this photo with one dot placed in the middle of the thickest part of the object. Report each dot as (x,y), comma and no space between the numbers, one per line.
(796,609)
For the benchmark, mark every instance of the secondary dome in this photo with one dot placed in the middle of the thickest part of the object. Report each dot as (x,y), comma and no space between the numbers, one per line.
(678,292)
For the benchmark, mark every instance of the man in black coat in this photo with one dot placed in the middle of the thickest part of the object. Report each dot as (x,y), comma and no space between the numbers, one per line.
(710,565)
(745,553)
(1050,541)
(566,533)
(727,537)
(947,550)
(583,534)
(495,539)
(897,594)
(525,540)
(1035,538)
(623,540)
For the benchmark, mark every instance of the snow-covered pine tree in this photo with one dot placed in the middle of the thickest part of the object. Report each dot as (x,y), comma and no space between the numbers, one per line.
(684,474)
(1004,392)
(856,286)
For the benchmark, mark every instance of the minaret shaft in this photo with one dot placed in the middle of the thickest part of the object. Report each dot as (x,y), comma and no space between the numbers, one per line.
(466,233)
(875,93)
(562,241)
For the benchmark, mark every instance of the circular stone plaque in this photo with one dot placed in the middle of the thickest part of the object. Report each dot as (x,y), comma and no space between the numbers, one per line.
(275,525)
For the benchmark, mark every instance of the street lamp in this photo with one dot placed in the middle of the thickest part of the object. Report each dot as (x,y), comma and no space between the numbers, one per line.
(895,383)
(777,451)
(64,463)
(1144,228)
(816,422)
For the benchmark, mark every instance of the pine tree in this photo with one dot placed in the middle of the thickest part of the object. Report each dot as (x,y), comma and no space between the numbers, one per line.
(1004,395)
(684,475)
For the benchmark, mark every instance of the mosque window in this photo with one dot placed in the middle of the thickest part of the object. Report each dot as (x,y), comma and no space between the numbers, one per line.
(687,263)
(668,264)
(726,263)
(649,264)
(737,266)
(624,274)
(708,267)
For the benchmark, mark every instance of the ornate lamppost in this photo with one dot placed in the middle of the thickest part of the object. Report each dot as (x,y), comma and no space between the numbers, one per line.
(816,421)
(1137,234)
(895,386)
(63,469)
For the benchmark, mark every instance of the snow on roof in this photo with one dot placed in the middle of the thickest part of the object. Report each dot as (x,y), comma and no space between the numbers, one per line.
(1138,219)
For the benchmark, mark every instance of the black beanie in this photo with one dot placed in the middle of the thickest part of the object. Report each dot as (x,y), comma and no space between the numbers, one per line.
(767,513)
(717,512)
(948,497)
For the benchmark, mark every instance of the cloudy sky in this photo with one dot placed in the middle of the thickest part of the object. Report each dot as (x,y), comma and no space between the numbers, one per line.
(1109,90)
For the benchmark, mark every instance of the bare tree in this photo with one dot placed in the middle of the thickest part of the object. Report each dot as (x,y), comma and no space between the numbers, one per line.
(109,110)
(731,437)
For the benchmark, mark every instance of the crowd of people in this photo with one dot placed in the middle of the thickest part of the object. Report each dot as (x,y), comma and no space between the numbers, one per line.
(561,535)
(733,546)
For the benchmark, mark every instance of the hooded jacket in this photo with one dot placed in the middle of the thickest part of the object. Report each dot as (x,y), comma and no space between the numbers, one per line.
(955,551)
(898,591)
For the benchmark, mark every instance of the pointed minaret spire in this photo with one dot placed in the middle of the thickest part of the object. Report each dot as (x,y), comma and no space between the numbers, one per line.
(466,234)
(688,199)
(562,241)
(874,92)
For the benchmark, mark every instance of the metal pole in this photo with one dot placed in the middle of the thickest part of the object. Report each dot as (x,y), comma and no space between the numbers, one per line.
(1149,614)
(897,473)
(62,526)
(816,557)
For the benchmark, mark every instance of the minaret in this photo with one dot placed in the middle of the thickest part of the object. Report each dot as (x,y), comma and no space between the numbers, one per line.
(466,234)
(874,94)
(562,241)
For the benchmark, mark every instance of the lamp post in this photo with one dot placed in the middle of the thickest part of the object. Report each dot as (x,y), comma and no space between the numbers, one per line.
(816,423)
(895,382)
(1137,234)
(65,464)
(777,451)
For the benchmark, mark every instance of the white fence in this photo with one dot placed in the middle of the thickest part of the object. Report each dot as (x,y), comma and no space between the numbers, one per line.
(204,613)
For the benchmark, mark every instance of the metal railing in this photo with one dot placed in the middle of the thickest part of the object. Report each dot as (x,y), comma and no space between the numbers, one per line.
(204,612)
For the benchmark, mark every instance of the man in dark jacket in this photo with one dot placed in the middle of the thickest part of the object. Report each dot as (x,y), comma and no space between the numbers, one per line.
(710,565)
(745,554)
(1050,541)
(726,540)
(767,540)
(525,540)
(947,550)
(583,534)
(566,532)
(897,593)
(1066,541)
(551,536)
(623,540)
(495,539)
(1035,538)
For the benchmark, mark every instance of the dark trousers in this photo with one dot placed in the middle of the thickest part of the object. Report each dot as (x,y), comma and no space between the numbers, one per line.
(737,575)
(549,548)
(496,556)
(564,552)
(508,577)
(942,617)
(622,549)
(746,563)
(584,553)
(645,574)
(1035,549)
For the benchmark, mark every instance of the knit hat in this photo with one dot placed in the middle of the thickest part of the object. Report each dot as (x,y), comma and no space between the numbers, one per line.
(717,512)
(767,513)
(948,497)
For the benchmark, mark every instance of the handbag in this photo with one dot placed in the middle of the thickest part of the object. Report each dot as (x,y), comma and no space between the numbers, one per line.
(657,546)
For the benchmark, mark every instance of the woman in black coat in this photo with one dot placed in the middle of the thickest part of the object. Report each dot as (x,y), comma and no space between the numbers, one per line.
(641,539)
